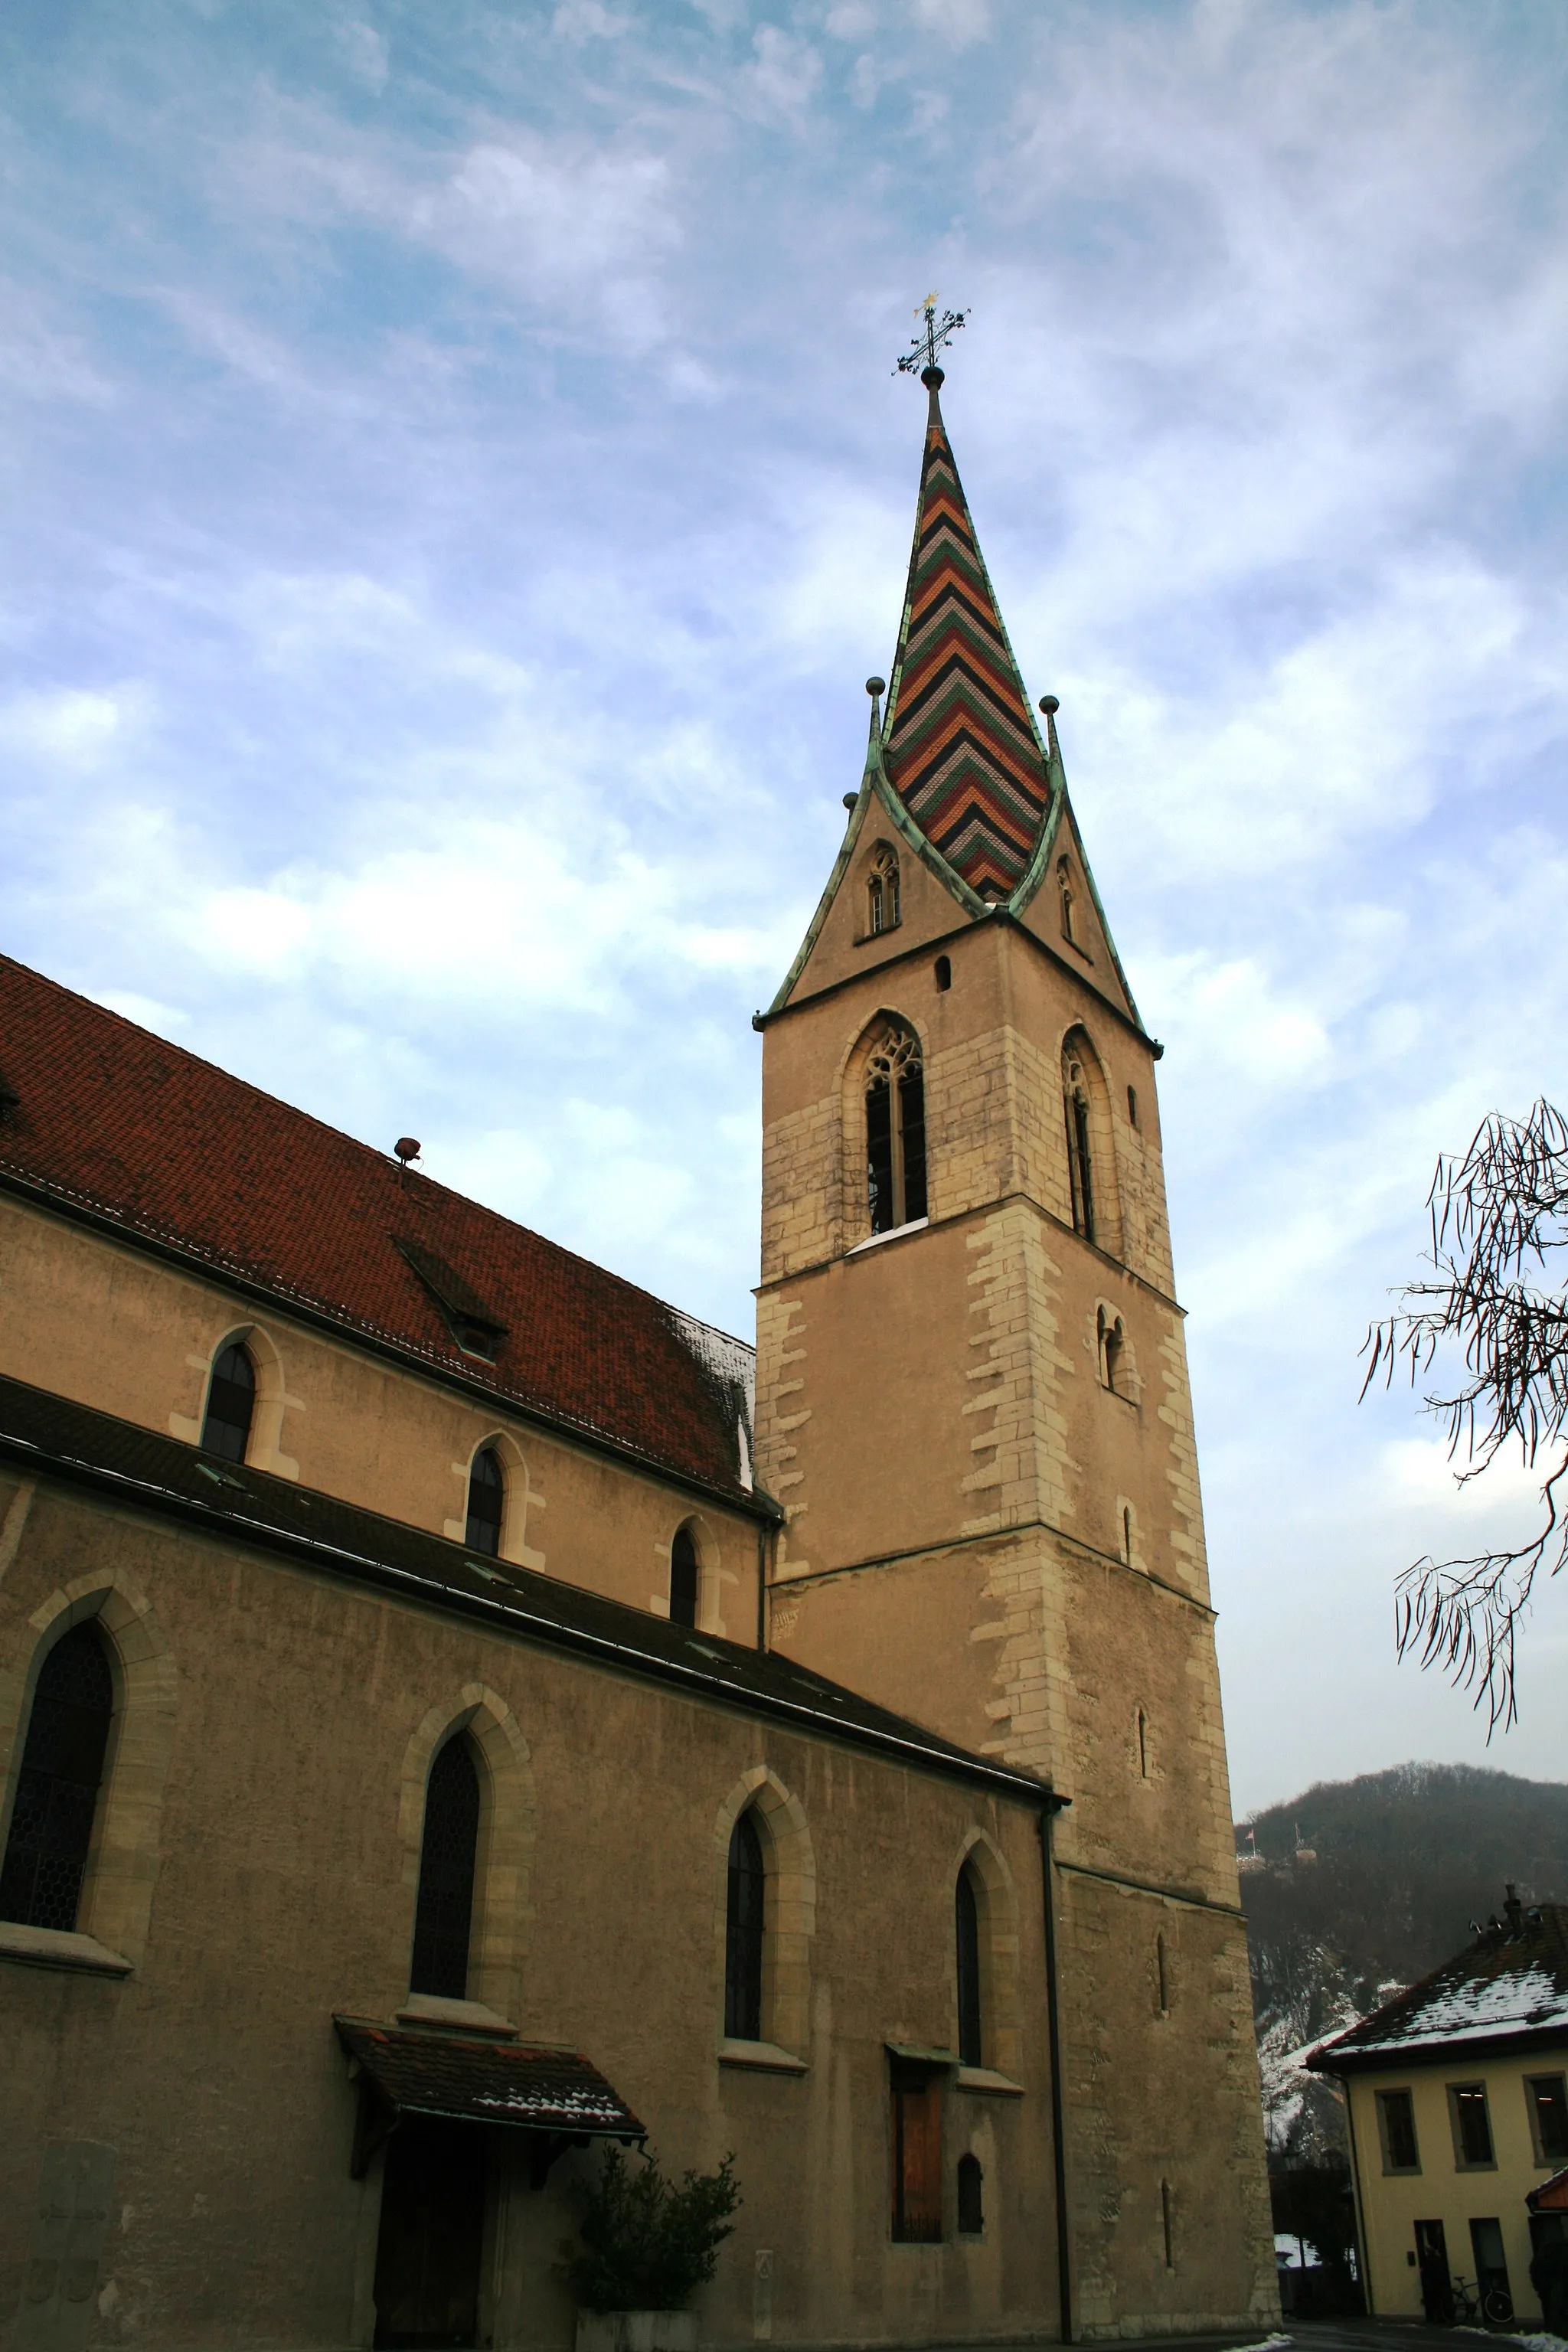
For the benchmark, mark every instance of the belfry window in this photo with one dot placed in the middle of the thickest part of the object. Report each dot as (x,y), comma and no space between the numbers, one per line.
(231,1402)
(57,1787)
(1080,1147)
(444,1913)
(895,1132)
(971,2024)
(683,1579)
(743,1934)
(882,908)
(487,1503)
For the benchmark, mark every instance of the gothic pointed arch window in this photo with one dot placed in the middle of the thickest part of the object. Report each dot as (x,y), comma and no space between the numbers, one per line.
(1086,1112)
(966,1927)
(1113,1338)
(895,1130)
(231,1403)
(487,1503)
(743,1929)
(883,909)
(443,1910)
(58,1784)
(685,1578)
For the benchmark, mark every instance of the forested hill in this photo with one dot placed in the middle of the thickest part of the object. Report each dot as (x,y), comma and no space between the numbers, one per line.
(1404,1861)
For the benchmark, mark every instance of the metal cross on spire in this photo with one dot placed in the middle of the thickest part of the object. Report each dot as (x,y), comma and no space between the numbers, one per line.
(935,334)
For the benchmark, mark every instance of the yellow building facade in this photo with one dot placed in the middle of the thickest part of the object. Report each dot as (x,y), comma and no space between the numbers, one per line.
(1456,2102)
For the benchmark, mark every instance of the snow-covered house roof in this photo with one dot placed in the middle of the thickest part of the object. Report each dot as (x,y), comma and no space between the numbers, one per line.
(1509,1990)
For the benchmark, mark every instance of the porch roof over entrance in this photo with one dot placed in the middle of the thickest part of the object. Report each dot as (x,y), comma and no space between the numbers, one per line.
(487,2080)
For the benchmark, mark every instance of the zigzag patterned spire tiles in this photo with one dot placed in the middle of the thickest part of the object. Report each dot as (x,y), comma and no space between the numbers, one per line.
(961,751)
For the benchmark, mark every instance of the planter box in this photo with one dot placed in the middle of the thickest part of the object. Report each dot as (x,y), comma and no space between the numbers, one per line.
(636,2331)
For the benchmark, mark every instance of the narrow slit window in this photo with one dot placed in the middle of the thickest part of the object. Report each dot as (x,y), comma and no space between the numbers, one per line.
(683,1579)
(944,972)
(487,1503)
(444,1913)
(1162,1983)
(971,2197)
(1165,2225)
(1132,1105)
(1142,1745)
(1081,1154)
(58,1785)
(1112,1342)
(744,1928)
(231,1404)
(1126,1533)
(971,2022)
(895,1133)
(1064,896)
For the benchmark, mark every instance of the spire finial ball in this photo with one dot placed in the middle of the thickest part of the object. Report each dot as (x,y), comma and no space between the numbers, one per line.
(876,686)
(933,377)
(1050,705)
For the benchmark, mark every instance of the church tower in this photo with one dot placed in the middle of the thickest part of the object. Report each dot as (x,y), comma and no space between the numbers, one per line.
(973,1403)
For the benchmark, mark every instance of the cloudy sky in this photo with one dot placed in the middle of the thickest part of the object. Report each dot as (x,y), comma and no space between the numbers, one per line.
(457,486)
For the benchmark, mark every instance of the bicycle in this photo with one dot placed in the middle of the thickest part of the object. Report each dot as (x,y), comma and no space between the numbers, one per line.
(1495,2307)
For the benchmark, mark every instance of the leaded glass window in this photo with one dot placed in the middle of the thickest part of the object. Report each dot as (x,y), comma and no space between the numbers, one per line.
(487,1502)
(443,1918)
(231,1402)
(743,1934)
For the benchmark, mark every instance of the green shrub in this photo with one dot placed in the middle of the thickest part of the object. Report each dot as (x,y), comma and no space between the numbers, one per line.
(648,2243)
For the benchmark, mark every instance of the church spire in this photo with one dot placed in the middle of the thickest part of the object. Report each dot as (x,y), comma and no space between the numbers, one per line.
(961,748)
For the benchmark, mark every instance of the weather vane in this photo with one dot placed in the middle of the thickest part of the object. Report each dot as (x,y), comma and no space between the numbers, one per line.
(935,334)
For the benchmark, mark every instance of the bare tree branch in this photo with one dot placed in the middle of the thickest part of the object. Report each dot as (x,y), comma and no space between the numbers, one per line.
(1497,1217)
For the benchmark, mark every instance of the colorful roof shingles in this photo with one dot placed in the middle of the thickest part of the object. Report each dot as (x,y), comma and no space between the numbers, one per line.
(961,748)
(102,1120)
(1510,1985)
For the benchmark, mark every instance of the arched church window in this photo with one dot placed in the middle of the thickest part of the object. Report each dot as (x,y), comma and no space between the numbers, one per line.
(487,1503)
(683,1579)
(966,1924)
(58,1785)
(1064,894)
(231,1402)
(743,1934)
(895,1132)
(444,1911)
(882,909)
(1080,1147)
(971,2197)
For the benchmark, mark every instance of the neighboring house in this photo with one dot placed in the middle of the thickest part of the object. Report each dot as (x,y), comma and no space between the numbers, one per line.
(1456,2095)
(427,1749)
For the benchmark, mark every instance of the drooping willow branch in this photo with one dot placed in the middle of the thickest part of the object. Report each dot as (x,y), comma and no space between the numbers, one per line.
(1497,1215)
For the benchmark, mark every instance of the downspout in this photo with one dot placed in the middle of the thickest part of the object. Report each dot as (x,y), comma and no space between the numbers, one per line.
(1363,2254)
(1053,2024)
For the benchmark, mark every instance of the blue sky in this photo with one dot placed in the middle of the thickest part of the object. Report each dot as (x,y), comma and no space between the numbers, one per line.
(458,486)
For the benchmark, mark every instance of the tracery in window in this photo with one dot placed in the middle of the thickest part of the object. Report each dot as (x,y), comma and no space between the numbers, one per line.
(895,1130)
(444,1911)
(1086,1113)
(966,1923)
(683,1579)
(487,1503)
(883,912)
(58,1782)
(743,1922)
(231,1403)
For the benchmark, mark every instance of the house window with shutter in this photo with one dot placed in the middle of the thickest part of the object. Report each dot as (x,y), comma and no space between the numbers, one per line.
(917,2152)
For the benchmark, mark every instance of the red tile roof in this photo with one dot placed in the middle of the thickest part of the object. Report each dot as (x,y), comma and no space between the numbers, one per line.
(110,1121)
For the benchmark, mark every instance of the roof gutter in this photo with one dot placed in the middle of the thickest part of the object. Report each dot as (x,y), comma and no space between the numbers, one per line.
(515,1617)
(755,1504)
